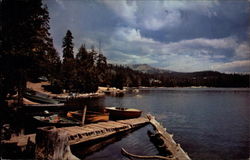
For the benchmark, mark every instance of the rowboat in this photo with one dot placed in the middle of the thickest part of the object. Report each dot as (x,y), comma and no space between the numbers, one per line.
(90,117)
(123,113)
(55,120)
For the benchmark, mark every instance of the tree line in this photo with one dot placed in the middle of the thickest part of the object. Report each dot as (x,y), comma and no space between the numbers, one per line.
(28,52)
(84,71)
(203,78)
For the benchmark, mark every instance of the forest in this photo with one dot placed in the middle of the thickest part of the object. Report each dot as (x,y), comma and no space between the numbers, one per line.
(28,52)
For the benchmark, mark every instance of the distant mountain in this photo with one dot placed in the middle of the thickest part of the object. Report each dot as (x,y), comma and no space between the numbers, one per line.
(145,68)
(160,77)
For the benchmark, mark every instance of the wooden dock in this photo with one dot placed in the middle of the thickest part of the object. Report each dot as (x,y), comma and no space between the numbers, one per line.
(81,134)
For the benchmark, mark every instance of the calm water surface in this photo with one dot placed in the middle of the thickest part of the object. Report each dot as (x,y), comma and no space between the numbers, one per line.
(209,123)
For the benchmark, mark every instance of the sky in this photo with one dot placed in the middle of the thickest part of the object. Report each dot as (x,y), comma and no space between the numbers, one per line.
(178,35)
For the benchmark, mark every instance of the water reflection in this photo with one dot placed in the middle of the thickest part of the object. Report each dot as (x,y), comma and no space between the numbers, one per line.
(209,123)
(135,142)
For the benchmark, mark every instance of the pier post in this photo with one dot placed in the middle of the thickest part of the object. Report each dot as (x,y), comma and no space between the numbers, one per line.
(84,114)
(52,144)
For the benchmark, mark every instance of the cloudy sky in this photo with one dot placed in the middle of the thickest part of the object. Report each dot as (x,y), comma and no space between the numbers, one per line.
(177,35)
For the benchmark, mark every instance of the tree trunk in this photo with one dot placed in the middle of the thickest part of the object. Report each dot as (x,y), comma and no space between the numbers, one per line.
(52,144)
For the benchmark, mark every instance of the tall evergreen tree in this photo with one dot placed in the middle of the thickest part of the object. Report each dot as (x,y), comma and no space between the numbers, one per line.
(86,73)
(25,41)
(92,77)
(81,60)
(92,55)
(68,46)
(82,57)
(101,67)
(54,62)
(68,66)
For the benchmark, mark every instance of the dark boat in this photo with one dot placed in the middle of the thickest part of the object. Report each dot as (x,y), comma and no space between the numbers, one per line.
(55,120)
(90,117)
(39,98)
(123,113)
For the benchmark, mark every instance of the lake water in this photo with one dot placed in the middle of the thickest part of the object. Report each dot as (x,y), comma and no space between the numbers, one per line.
(209,123)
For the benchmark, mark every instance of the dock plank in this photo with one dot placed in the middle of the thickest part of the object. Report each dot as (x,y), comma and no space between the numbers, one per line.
(81,134)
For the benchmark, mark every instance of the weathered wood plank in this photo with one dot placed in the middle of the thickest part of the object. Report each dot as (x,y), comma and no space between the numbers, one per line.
(169,142)
(70,131)
(106,125)
(133,121)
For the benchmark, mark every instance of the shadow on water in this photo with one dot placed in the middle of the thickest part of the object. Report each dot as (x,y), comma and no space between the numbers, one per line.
(86,149)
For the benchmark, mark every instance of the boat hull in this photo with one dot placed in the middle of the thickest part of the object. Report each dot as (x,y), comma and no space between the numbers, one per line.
(90,117)
(118,113)
(56,121)
(39,99)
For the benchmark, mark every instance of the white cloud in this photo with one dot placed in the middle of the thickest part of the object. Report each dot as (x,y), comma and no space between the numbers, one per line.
(199,47)
(130,46)
(125,58)
(185,63)
(131,35)
(124,9)
(160,19)
(234,66)
(154,15)
(123,41)
(227,42)
(243,50)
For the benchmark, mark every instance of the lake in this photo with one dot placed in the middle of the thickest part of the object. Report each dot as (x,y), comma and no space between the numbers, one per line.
(209,123)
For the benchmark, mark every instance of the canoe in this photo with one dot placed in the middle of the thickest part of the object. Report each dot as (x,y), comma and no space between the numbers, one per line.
(91,117)
(123,113)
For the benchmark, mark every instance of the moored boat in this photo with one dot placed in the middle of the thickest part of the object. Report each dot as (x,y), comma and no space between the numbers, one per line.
(123,113)
(35,97)
(90,117)
(55,120)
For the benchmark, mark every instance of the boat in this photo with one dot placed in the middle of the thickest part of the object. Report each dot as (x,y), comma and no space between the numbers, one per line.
(55,120)
(39,98)
(123,113)
(90,117)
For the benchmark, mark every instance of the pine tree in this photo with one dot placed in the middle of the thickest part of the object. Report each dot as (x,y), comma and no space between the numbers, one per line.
(25,42)
(101,67)
(82,57)
(92,81)
(68,46)
(81,60)
(68,66)
(87,80)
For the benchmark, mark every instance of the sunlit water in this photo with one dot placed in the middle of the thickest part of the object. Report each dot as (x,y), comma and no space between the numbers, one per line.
(209,123)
